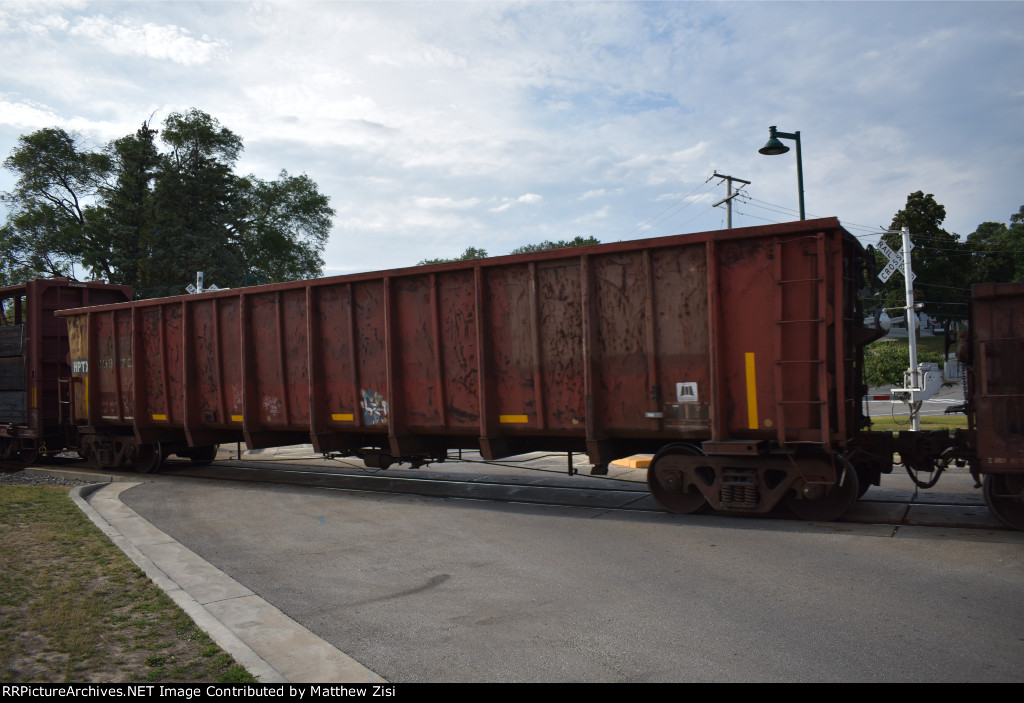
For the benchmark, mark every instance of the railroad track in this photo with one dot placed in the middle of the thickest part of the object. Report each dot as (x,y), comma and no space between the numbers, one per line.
(546,487)
(551,489)
(618,495)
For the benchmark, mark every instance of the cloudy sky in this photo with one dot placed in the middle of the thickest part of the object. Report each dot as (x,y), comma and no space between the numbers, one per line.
(434,126)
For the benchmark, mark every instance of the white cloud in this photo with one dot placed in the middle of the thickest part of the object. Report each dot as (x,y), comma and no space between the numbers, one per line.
(27,115)
(602,193)
(154,41)
(446,203)
(592,216)
(527,199)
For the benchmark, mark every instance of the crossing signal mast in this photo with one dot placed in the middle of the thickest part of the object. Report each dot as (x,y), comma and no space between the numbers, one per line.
(198,287)
(913,391)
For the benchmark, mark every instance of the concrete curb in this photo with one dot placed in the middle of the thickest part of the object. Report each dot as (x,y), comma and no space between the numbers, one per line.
(269,644)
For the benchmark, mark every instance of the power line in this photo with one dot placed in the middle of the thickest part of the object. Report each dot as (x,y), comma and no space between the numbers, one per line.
(654,221)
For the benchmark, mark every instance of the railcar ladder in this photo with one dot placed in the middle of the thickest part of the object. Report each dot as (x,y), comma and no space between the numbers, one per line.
(801,340)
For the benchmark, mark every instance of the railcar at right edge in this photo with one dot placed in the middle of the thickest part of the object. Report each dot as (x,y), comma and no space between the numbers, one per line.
(995,397)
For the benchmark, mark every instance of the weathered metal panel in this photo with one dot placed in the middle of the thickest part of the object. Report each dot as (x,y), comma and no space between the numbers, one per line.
(206,404)
(561,344)
(371,354)
(683,329)
(997,395)
(458,343)
(336,353)
(621,356)
(45,348)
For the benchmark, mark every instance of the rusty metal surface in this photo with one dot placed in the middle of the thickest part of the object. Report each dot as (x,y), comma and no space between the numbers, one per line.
(43,351)
(996,385)
(610,349)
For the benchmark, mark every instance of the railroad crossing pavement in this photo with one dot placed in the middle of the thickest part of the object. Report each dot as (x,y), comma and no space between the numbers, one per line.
(269,644)
(422,588)
(418,588)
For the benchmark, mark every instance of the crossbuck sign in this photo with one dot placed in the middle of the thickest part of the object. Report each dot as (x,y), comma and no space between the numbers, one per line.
(895,261)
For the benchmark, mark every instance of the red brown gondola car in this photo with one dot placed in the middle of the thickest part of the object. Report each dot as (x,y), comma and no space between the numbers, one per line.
(734,357)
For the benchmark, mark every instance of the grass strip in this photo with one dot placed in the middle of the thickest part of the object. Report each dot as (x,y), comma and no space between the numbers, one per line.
(887,423)
(74,608)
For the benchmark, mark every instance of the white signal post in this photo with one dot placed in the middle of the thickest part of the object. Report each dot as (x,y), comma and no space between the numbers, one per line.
(908,281)
(198,287)
(912,391)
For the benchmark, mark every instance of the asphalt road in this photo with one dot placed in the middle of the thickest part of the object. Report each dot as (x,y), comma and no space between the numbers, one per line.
(431,589)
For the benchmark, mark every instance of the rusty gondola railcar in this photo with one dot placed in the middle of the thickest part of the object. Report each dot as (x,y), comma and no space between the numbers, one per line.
(733,356)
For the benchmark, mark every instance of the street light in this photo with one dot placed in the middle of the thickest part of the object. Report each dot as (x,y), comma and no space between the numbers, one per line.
(775,147)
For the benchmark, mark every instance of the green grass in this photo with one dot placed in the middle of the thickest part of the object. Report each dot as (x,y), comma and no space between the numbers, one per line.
(74,608)
(925,343)
(886,423)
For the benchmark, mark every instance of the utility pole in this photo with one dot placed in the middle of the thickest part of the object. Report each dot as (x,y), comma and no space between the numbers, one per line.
(728,199)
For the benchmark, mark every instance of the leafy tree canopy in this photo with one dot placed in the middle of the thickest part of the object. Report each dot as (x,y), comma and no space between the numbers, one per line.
(941,282)
(47,208)
(134,214)
(468,255)
(997,251)
(577,241)
(474,253)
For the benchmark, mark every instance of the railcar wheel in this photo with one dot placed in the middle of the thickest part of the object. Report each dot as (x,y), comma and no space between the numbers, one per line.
(1004,494)
(93,458)
(30,453)
(148,458)
(8,449)
(203,456)
(832,505)
(666,483)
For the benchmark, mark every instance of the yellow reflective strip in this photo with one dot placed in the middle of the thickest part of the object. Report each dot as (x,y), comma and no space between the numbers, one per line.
(510,419)
(751,392)
(236,418)
(342,417)
(160,417)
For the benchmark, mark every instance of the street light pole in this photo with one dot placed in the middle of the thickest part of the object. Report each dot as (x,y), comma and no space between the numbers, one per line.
(775,147)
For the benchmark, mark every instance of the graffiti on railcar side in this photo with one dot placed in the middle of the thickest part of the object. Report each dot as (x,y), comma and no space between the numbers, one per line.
(272,405)
(375,408)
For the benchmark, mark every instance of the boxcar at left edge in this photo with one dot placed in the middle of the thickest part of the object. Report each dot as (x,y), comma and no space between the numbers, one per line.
(35,374)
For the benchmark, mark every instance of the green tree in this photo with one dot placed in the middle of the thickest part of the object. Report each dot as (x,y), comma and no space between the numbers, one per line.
(44,234)
(577,241)
(997,251)
(468,255)
(474,253)
(284,228)
(938,260)
(134,215)
(197,207)
(121,228)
